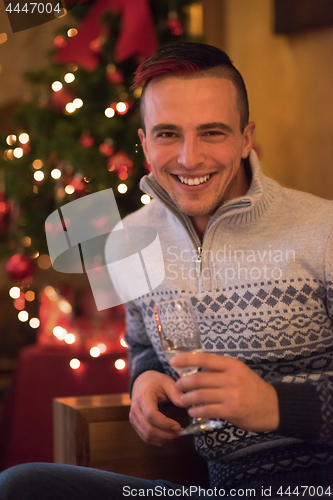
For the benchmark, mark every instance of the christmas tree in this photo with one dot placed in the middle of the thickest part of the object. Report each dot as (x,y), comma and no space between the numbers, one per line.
(76,132)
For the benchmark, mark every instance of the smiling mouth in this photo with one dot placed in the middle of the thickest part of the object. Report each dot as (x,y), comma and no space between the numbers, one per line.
(196,181)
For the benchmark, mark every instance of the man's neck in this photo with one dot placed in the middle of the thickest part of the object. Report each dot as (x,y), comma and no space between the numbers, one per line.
(238,188)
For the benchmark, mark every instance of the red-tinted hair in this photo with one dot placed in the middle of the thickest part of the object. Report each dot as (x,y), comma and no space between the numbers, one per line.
(145,72)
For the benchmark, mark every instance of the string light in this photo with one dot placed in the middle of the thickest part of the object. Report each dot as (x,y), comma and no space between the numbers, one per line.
(55,173)
(101,347)
(70,338)
(37,164)
(122,107)
(59,40)
(145,199)
(50,293)
(34,254)
(69,77)
(39,176)
(30,296)
(18,152)
(72,32)
(11,139)
(34,322)
(8,154)
(70,107)
(123,342)
(120,364)
(78,103)
(56,86)
(44,262)
(94,352)
(23,316)
(64,306)
(122,188)
(59,332)
(26,241)
(74,363)
(123,176)
(69,189)
(24,138)
(19,303)
(109,112)
(137,92)
(14,292)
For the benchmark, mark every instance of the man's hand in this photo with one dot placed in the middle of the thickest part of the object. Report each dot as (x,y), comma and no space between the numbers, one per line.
(150,389)
(228,390)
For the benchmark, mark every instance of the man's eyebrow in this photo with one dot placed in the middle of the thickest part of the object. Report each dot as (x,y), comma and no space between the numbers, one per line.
(219,125)
(165,126)
(205,126)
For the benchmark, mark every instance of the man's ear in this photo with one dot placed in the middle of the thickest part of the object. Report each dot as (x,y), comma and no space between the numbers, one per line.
(142,137)
(248,138)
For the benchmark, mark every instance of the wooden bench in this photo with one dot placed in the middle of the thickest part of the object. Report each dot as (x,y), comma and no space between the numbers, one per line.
(94,431)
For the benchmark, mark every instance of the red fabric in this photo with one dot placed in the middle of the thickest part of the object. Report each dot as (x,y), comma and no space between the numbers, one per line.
(43,373)
(137,36)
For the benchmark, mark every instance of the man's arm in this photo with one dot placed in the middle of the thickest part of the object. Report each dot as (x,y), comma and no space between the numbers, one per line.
(142,356)
(306,408)
(230,390)
(149,385)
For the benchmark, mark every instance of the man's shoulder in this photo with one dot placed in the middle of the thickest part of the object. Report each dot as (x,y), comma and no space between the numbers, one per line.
(304,203)
(149,214)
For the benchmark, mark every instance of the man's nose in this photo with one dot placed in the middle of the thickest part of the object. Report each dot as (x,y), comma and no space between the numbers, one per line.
(190,153)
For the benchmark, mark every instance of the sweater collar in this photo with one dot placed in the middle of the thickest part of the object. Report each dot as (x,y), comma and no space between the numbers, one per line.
(257,200)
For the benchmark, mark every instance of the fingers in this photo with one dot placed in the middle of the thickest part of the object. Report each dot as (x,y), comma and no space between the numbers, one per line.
(203,397)
(209,361)
(150,389)
(201,380)
(152,426)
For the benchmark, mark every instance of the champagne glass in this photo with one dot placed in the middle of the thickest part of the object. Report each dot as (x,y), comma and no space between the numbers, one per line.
(179,332)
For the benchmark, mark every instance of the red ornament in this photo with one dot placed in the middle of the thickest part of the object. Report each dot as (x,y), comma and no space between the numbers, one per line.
(60,42)
(20,267)
(86,141)
(120,162)
(97,45)
(106,149)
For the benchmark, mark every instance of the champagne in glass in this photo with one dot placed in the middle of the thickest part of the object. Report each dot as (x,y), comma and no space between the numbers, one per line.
(179,332)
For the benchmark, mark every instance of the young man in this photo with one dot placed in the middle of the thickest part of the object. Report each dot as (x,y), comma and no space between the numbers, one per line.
(256,261)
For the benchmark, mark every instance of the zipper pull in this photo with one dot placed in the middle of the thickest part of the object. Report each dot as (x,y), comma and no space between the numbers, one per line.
(198,262)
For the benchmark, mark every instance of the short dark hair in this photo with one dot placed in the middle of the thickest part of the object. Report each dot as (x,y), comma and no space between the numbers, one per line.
(188,58)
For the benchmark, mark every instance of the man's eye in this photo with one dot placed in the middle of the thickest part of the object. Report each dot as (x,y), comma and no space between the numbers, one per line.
(166,135)
(213,132)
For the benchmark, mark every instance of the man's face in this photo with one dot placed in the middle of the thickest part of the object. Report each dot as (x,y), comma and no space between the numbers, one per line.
(193,141)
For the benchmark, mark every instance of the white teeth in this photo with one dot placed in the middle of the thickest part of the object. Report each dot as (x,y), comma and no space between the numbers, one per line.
(195,182)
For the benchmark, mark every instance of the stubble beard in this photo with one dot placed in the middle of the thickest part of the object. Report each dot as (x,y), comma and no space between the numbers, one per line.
(198,211)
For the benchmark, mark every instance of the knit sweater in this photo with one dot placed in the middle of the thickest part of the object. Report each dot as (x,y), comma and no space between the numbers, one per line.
(261,283)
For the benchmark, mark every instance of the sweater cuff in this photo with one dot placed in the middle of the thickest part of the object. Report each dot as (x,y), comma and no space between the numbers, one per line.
(145,365)
(300,410)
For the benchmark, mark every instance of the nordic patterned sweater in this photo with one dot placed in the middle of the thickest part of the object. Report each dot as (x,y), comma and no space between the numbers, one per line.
(261,283)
